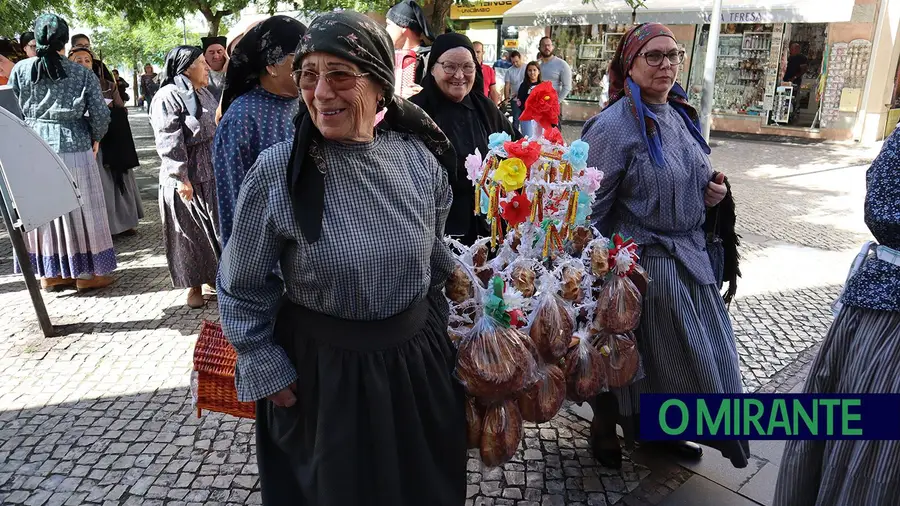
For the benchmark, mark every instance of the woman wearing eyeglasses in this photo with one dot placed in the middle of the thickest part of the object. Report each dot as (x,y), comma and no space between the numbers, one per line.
(346,353)
(467,117)
(259,103)
(659,187)
(183,117)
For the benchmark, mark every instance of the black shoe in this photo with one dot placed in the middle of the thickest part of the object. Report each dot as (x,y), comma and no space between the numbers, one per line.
(606,454)
(683,449)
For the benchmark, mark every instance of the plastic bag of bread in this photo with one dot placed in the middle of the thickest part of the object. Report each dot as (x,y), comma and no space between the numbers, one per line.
(551,326)
(493,362)
(523,277)
(620,357)
(474,422)
(572,278)
(460,286)
(501,433)
(542,401)
(585,371)
(618,305)
(640,278)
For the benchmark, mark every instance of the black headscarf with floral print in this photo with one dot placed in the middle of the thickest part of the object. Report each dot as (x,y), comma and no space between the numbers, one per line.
(267,43)
(359,40)
(51,33)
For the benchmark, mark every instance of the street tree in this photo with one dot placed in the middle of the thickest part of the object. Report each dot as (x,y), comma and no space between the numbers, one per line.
(17,16)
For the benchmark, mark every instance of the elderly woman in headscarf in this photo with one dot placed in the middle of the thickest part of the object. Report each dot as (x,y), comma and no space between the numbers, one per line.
(61,101)
(355,399)
(659,187)
(117,156)
(183,119)
(467,117)
(859,355)
(258,106)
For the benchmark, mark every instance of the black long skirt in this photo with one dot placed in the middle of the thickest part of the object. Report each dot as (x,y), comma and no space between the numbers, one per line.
(379,419)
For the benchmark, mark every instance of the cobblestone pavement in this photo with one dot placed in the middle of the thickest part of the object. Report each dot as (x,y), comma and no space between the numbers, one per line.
(102,414)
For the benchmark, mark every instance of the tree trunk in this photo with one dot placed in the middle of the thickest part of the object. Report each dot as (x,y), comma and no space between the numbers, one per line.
(439,16)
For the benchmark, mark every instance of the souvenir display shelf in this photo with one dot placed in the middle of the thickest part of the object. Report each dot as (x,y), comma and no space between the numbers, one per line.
(741,73)
(847,66)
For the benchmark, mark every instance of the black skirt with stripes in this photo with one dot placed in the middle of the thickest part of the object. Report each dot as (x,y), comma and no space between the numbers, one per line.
(860,355)
(687,346)
(379,419)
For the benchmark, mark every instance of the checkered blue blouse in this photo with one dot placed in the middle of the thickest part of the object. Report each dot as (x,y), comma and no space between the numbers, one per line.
(381,247)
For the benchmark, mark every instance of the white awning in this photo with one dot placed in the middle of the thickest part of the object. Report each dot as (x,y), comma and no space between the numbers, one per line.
(675,12)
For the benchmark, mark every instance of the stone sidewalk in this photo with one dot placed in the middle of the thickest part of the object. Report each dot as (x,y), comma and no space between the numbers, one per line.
(102,414)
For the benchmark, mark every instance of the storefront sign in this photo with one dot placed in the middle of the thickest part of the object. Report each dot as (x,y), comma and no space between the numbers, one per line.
(511,43)
(482,9)
(742,17)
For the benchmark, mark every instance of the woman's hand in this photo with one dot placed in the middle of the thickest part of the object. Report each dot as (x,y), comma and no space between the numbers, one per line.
(96,148)
(715,190)
(186,190)
(285,398)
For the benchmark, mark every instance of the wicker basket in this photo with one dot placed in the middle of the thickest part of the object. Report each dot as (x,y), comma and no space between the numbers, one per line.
(214,361)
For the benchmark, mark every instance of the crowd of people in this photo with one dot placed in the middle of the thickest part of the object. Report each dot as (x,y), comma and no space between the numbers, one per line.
(309,177)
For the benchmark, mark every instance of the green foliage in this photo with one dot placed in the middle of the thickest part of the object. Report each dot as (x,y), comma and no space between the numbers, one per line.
(17,16)
(156,11)
(124,44)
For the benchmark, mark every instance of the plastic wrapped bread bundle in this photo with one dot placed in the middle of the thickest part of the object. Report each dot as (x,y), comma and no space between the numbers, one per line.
(542,401)
(501,433)
(474,422)
(621,358)
(619,303)
(493,363)
(551,323)
(586,374)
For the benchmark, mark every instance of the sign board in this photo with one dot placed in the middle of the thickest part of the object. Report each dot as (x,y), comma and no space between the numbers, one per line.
(41,188)
(850,99)
(482,10)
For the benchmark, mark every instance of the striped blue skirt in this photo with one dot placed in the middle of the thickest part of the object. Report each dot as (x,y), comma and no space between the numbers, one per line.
(687,346)
(860,355)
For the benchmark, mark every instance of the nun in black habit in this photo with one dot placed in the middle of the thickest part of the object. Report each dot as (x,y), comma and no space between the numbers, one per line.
(451,96)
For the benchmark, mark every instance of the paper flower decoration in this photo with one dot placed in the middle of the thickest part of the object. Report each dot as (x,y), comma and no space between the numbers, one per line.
(577,154)
(511,174)
(496,140)
(474,165)
(542,106)
(622,255)
(554,135)
(485,202)
(584,207)
(591,180)
(516,210)
(527,151)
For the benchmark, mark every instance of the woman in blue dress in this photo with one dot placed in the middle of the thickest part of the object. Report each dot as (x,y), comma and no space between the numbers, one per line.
(258,106)
(62,102)
(860,355)
(658,188)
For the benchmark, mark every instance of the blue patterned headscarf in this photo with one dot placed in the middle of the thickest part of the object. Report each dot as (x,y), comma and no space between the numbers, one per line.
(51,33)
(620,85)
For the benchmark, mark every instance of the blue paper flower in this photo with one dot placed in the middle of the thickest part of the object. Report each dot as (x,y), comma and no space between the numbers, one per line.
(485,202)
(577,154)
(496,140)
(583,209)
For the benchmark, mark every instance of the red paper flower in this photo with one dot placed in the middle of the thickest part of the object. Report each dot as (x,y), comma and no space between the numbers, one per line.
(516,210)
(542,106)
(517,318)
(528,153)
(555,136)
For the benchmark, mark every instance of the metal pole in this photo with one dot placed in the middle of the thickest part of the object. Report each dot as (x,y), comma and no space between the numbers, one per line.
(184,30)
(21,252)
(709,71)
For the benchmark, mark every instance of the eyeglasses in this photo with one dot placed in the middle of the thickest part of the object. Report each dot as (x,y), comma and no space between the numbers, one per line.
(452,68)
(32,45)
(655,58)
(339,80)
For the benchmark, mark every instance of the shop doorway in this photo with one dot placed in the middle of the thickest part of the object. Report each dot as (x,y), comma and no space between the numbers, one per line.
(804,45)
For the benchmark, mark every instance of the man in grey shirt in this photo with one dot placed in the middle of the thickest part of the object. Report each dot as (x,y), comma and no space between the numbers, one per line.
(514,77)
(555,69)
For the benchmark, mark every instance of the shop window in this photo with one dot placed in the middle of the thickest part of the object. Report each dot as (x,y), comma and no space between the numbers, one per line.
(588,49)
